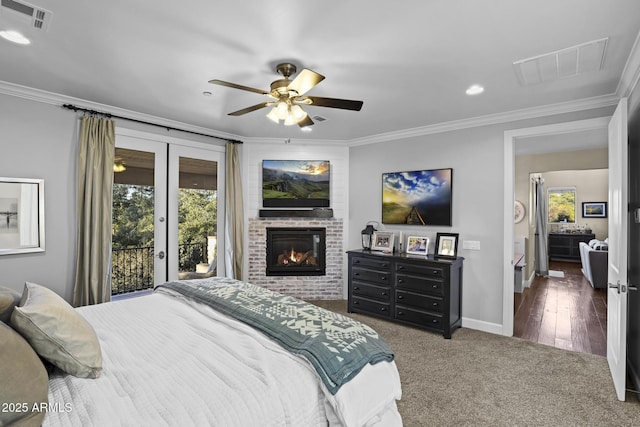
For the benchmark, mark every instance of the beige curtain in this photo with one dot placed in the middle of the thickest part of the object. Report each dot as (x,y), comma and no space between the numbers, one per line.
(95,182)
(235,213)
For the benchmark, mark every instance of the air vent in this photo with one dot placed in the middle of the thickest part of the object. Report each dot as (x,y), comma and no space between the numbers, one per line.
(319,119)
(569,62)
(24,15)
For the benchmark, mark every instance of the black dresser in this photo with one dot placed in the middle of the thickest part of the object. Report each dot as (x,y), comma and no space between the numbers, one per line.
(410,289)
(566,246)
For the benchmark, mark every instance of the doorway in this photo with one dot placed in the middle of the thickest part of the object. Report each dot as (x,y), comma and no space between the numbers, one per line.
(166,198)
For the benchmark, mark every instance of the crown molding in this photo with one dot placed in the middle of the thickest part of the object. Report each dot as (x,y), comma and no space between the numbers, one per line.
(58,100)
(492,119)
(528,113)
(631,72)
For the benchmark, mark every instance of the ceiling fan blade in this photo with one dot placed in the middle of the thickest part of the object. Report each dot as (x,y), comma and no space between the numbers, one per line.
(237,86)
(250,109)
(304,81)
(345,104)
(305,122)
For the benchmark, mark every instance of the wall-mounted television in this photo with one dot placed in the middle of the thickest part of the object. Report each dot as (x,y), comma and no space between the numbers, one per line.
(420,197)
(295,183)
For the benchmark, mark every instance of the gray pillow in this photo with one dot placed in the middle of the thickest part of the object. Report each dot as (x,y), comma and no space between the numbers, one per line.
(24,380)
(57,332)
(8,299)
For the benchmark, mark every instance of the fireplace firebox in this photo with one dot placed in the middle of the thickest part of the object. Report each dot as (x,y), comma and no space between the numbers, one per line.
(296,251)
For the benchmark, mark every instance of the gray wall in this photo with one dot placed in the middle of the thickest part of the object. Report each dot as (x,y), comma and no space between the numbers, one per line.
(477,158)
(38,141)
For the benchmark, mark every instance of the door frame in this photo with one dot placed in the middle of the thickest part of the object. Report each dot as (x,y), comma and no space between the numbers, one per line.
(510,138)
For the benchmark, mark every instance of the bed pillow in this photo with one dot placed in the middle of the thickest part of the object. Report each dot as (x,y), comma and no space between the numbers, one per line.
(25,384)
(57,332)
(8,299)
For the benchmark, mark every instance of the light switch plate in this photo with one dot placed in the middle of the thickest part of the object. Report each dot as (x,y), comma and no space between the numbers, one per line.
(473,245)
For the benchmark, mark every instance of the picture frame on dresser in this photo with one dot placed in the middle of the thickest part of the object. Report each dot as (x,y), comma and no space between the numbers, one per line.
(446,245)
(417,245)
(382,241)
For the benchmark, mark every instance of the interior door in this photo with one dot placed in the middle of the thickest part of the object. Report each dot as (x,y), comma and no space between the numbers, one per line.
(139,242)
(617,274)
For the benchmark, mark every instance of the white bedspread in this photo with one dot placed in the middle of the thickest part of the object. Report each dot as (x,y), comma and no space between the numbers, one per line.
(165,363)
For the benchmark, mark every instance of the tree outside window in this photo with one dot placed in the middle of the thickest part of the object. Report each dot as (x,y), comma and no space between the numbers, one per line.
(561,205)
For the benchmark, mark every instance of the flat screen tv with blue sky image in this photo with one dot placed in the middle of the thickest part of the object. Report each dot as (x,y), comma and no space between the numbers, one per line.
(417,197)
(295,183)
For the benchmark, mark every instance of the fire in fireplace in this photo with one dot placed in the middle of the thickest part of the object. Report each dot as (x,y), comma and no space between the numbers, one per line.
(296,251)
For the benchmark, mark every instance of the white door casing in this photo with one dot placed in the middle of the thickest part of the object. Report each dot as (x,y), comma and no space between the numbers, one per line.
(617,268)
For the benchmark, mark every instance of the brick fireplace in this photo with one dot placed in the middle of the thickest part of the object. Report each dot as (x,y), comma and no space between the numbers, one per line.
(311,286)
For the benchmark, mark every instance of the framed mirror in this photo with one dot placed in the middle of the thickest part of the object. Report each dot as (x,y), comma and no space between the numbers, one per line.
(21,215)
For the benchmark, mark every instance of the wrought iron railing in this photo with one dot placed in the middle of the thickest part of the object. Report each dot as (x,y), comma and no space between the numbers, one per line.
(132,268)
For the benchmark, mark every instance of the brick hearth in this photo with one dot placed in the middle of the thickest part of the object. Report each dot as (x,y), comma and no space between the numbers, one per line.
(305,287)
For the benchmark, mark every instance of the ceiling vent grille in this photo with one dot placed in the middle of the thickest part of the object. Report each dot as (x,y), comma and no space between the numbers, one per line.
(319,119)
(569,62)
(24,14)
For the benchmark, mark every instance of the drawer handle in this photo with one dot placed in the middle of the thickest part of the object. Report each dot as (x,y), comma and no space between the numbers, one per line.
(356,288)
(400,296)
(434,286)
(401,313)
(356,261)
(383,309)
(356,303)
(435,272)
(401,267)
(400,281)
(383,277)
(435,304)
(434,321)
(384,293)
(356,274)
(383,264)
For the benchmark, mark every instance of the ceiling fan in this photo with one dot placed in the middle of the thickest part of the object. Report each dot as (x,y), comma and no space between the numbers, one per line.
(289,96)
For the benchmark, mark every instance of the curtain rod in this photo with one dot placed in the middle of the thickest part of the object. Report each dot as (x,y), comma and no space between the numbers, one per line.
(109,115)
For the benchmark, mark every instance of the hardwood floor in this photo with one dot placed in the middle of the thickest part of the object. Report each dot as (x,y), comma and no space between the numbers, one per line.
(564,312)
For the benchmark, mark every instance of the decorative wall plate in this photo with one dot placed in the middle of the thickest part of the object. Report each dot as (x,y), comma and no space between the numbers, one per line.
(518,211)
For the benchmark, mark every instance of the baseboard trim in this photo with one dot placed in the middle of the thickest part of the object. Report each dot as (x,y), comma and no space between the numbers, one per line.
(479,325)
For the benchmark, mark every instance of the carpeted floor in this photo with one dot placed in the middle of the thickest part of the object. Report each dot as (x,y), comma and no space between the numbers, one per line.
(482,379)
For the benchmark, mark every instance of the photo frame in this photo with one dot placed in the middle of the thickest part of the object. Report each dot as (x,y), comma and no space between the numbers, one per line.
(21,215)
(382,241)
(446,245)
(594,209)
(417,245)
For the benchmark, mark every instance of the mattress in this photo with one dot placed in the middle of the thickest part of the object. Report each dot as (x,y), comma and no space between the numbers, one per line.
(170,361)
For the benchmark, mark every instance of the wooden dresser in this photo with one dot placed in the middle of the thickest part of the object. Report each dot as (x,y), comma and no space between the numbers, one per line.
(566,246)
(409,289)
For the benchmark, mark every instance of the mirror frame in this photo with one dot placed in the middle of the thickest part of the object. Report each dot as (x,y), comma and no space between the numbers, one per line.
(39,247)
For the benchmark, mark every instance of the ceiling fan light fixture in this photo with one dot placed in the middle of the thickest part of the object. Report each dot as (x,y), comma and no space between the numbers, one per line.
(273,116)
(290,120)
(118,166)
(298,113)
(282,110)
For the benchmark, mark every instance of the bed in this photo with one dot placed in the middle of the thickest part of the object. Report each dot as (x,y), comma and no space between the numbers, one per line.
(174,358)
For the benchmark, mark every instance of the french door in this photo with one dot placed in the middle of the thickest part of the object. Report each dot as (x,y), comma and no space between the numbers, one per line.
(166,196)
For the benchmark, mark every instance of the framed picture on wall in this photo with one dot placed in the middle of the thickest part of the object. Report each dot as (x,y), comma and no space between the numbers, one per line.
(594,209)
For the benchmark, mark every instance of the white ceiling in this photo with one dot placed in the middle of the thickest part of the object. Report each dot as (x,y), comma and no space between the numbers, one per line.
(410,61)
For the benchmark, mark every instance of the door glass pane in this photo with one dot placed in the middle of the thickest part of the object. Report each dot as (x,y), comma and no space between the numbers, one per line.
(197,218)
(133,221)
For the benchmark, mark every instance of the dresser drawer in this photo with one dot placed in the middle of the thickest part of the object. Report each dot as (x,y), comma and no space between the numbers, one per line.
(420,317)
(380,264)
(420,284)
(370,306)
(424,302)
(367,275)
(371,291)
(434,271)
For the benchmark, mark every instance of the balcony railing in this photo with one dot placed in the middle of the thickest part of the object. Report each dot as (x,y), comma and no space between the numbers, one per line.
(132,268)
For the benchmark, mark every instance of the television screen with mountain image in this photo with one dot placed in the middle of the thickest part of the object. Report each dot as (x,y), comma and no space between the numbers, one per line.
(417,197)
(295,183)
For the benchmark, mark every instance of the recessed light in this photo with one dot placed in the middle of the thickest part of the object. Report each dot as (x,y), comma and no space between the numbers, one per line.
(474,90)
(14,36)
(306,129)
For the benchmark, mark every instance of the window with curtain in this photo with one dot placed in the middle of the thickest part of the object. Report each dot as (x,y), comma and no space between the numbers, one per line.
(561,206)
